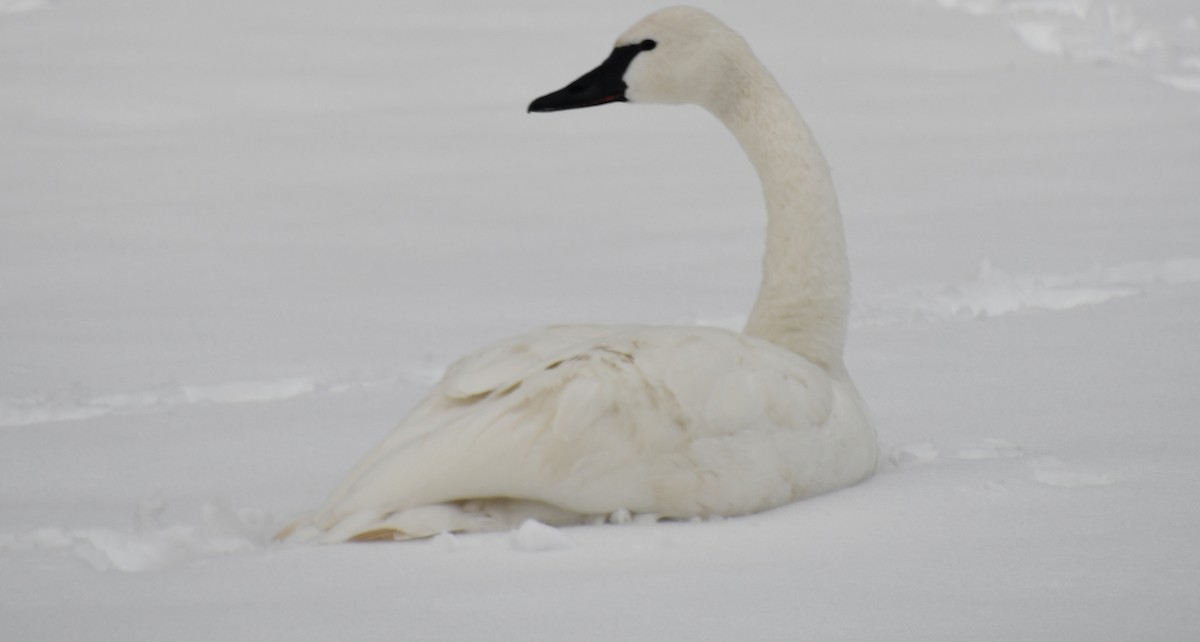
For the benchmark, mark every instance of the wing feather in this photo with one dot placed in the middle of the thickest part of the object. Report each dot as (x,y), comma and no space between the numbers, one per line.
(675,421)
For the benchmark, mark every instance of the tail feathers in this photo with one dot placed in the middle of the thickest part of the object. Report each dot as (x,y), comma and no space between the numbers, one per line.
(380,535)
(287,531)
(470,516)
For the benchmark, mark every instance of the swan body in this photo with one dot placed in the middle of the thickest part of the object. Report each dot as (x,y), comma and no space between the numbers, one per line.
(571,424)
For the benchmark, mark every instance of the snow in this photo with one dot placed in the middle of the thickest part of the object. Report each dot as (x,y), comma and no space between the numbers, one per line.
(151,545)
(535,537)
(239,240)
(994,292)
(1157,35)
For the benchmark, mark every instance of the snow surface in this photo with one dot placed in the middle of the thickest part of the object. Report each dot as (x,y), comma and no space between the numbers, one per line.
(238,240)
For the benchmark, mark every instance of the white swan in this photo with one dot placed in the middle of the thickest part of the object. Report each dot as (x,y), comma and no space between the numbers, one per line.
(572,424)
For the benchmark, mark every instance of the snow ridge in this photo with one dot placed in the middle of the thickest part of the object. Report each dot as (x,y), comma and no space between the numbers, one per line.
(991,292)
(153,545)
(1102,33)
(79,404)
(20,6)
(1046,470)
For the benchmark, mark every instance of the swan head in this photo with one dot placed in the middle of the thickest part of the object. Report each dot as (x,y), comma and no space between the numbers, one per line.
(673,56)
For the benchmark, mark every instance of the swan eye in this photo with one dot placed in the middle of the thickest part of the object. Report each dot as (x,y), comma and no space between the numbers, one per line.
(647,45)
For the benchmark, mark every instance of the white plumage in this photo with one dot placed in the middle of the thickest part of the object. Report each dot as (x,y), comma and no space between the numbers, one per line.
(575,423)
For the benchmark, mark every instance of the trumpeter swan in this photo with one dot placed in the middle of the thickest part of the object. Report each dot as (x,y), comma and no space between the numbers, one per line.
(570,424)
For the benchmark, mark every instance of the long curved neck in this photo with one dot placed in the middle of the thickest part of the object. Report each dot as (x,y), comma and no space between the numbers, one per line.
(804,300)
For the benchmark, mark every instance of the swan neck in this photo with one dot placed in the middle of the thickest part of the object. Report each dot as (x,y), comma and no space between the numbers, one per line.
(803,302)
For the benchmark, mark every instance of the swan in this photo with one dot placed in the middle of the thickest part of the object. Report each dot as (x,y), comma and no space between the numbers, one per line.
(571,424)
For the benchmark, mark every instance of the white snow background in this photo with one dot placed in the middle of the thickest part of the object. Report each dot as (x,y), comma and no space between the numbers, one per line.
(239,239)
